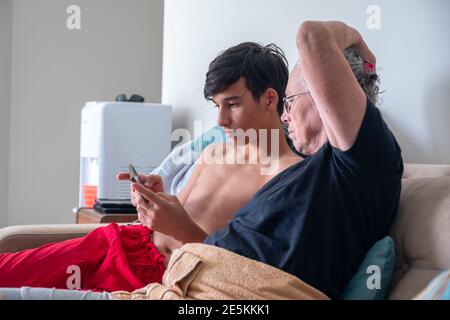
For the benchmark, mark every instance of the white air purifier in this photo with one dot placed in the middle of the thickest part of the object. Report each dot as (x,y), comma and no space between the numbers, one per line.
(115,134)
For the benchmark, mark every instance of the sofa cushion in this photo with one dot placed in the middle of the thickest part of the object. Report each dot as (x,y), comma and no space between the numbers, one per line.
(414,170)
(421,231)
(382,255)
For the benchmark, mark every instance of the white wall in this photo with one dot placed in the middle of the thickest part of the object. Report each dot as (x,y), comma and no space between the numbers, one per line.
(54,72)
(412,51)
(5,97)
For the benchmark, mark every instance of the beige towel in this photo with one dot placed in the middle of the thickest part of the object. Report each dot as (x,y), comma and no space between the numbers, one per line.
(205,272)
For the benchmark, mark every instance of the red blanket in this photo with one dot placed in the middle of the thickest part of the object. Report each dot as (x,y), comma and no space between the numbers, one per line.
(107,259)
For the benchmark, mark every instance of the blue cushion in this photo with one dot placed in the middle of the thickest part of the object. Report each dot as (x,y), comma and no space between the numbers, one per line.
(379,262)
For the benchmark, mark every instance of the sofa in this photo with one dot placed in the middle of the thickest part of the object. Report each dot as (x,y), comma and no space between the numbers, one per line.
(421,231)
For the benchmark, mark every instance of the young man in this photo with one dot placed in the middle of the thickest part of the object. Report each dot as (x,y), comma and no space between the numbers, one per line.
(217,190)
(247,84)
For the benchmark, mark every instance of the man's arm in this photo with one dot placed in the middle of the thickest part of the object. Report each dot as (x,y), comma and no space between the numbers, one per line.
(165,213)
(337,95)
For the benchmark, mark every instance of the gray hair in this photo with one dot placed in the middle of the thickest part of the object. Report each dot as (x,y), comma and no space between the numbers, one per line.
(367,79)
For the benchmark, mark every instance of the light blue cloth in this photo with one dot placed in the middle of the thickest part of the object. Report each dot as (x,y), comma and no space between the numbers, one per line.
(177,167)
(28,293)
(437,289)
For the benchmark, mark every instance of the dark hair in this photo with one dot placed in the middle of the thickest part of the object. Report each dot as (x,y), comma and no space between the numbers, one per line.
(262,67)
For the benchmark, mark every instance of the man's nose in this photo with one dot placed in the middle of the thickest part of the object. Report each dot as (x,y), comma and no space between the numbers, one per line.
(223,119)
(285,117)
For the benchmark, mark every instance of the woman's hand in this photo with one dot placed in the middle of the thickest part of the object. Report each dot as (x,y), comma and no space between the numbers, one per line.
(164,213)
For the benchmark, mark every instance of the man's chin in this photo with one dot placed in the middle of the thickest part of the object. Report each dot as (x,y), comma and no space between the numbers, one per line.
(239,141)
(302,148)
(237,136)
(229,133)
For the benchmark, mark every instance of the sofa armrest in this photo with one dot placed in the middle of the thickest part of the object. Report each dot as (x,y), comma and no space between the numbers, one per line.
(17,238)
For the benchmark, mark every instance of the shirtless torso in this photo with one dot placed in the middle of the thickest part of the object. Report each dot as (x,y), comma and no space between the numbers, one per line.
(215,192)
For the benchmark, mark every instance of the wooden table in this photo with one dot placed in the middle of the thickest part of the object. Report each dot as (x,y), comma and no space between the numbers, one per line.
(89,215)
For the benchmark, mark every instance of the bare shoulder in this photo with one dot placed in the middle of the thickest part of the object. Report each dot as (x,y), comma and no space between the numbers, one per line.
(200,164)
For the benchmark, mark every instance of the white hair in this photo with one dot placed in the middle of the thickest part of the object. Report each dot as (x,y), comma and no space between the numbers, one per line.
(367,79)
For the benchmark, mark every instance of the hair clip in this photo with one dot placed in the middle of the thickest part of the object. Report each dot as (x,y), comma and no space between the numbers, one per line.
(368,66)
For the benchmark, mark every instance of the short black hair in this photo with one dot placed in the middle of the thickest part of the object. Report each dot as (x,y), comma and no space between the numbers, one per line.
(261,66)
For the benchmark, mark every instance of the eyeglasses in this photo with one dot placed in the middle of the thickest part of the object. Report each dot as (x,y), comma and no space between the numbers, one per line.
(290,99)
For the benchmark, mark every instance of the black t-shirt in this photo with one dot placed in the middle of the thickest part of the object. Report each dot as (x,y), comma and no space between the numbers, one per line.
(318,218)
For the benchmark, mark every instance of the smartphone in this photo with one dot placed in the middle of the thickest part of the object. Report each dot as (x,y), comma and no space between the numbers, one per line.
(134,176)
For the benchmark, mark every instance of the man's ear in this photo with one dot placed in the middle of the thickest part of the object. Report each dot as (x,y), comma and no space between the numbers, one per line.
(271,99)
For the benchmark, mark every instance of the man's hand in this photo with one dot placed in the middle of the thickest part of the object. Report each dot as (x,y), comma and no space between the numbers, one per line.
(153,182)
(364,51)
(164,213)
